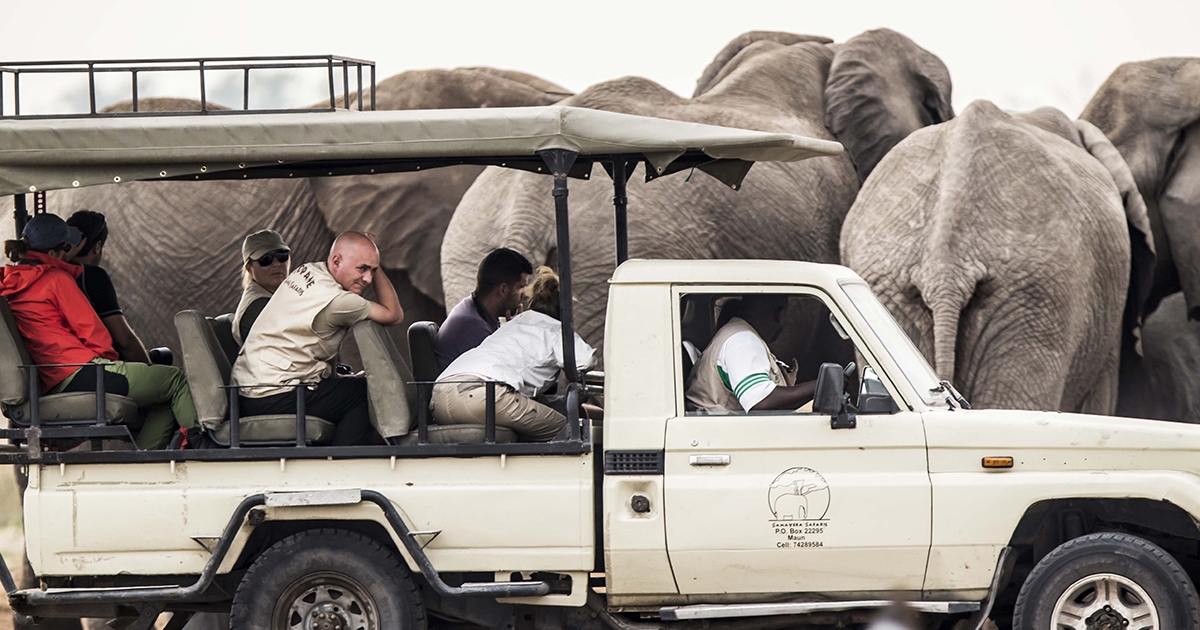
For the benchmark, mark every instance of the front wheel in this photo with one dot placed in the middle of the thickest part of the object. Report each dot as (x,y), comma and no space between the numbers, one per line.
(327,579)
(1107,581)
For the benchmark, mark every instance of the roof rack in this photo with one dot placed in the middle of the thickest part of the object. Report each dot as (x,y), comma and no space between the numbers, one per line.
(350,69)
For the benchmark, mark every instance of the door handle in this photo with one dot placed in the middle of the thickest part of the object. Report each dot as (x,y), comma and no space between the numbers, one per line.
(708,460)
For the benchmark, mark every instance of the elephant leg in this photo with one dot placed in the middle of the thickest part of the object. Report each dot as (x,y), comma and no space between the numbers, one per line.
(1101,399)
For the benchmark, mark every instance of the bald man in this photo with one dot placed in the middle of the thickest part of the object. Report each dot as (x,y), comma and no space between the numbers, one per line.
(296,338)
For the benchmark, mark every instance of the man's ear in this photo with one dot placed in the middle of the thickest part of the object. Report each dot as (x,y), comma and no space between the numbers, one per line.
(335,260)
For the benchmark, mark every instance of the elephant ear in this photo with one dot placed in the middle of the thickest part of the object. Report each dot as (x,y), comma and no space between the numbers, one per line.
(1141,239)
(882,87)
(1150,110)
(722,63)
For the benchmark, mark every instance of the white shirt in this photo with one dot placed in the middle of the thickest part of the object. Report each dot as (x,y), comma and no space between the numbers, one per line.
(744,364)
(525,353)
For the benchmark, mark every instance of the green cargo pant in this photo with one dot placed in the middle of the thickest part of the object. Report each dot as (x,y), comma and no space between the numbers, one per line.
(161,390)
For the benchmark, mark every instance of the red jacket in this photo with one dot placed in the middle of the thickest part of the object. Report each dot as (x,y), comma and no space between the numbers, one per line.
(54,316)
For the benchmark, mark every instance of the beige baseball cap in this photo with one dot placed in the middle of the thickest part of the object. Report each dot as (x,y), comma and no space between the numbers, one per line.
(262,242)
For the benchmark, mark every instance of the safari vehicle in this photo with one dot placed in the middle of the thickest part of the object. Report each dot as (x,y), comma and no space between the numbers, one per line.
(889,490)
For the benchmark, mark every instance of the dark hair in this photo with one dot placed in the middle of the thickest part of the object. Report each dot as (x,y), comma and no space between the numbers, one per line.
(502,266)
(18,249)
(543,293)
(92,225)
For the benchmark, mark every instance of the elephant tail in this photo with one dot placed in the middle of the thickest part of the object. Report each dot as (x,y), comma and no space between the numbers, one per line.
(945,337)
(947,297)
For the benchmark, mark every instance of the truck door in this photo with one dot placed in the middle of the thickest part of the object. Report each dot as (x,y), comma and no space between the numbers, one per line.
(780,502)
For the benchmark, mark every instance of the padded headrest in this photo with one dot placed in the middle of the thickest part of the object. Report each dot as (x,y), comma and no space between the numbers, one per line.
(392,398)
(14,383)
(421,339)
(222,326)
(206,367)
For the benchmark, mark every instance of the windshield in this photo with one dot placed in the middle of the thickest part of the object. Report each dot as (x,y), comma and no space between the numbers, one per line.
(916,369)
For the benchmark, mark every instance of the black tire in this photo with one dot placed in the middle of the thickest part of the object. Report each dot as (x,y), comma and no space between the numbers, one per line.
(1080,577)
(347,579)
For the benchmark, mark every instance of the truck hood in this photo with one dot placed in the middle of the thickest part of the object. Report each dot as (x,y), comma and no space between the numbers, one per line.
(1052,441)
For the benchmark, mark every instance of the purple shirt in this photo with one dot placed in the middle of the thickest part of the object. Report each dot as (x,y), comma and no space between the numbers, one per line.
(466,326)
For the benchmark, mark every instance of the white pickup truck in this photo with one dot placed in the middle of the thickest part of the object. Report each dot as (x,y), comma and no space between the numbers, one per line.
(891,492)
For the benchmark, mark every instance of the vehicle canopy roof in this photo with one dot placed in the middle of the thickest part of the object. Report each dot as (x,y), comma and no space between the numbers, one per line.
(46,154)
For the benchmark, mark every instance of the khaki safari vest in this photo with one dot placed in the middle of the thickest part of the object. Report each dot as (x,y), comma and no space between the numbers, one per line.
(707,391)
(283,348)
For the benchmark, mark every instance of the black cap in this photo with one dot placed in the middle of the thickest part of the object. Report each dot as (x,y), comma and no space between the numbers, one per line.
(47,231)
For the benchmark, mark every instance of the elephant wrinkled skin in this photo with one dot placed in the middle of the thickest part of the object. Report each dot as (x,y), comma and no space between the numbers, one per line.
(875,88)
(1005,245)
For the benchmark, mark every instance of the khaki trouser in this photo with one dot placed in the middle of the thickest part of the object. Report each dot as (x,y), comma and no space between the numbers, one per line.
(466,403)
(161,390)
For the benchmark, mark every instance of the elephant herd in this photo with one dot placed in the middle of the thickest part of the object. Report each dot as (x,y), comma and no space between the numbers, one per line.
(1037,261)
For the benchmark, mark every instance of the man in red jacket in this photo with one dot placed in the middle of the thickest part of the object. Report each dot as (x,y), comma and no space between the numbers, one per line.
(59,326)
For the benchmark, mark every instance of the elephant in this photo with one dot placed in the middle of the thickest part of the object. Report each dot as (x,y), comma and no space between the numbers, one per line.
(1150,110)
(1008,247)
(1165,385)
(176,245)
(867,93)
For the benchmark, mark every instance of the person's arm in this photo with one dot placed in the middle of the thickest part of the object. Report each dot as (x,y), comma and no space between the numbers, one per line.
(792,397)
(125,341)
(387,310)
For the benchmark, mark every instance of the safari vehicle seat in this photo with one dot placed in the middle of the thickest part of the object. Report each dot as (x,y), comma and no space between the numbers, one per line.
(422,337)
(393,398)
(222,326)
(207,368)
(72,408)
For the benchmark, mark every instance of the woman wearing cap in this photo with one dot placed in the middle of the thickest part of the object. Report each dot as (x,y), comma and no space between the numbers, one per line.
(59,326)
(266,265)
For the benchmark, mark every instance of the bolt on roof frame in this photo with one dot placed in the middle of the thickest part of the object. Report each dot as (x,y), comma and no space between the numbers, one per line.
(11,73)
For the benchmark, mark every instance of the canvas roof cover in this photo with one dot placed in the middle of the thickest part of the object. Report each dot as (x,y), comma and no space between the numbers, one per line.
(49,154)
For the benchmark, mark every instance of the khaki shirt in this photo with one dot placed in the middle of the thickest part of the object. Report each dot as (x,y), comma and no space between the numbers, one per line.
(296,338)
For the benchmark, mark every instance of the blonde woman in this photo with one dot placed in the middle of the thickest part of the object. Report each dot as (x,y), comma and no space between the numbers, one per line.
(265,262)
(524,357)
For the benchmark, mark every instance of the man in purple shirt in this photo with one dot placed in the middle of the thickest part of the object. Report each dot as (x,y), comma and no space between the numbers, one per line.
(498,283)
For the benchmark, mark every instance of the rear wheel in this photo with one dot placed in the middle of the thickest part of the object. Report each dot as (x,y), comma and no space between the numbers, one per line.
(328,579)
(1107,581)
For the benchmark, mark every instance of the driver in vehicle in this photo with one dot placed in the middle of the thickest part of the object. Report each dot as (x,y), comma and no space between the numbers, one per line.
(738,372)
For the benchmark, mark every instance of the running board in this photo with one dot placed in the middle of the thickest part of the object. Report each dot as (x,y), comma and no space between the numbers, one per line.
(727,611)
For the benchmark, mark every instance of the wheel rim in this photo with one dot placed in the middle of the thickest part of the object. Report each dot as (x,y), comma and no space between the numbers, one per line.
(326,601)
(1105,601)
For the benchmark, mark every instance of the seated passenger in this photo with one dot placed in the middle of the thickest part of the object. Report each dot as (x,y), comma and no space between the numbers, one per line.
(265,263)
(98,287)
(59,326)
(498,284)
(737,372)
(296,339)
(524,356)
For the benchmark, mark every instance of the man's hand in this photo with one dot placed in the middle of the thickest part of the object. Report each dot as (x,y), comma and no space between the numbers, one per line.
(126,342)
(789,375)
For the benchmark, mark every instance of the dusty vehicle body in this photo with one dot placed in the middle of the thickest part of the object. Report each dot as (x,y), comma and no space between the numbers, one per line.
(662,517)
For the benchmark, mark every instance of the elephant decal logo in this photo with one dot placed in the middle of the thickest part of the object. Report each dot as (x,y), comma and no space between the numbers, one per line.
(799,494)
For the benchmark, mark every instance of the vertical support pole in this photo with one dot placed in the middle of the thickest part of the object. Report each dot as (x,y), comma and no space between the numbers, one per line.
(360,88)
(372,87)
(620,177)
(17,93)
(92,86)
(332,97)
(101,406)
(345,85)
(560,162)
(20,213)
(134,82)
(235,419)
(424,395)
(489,416)
(300,413)
(246,89)
(35,394)
(1,94)
(203,91)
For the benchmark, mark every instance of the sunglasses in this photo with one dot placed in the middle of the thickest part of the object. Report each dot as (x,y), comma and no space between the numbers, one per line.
(266,259)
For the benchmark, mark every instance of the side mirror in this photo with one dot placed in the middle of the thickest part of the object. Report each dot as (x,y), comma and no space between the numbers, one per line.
(830,396)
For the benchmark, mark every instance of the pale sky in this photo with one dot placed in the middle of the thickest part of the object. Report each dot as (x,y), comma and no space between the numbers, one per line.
(1020,54)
